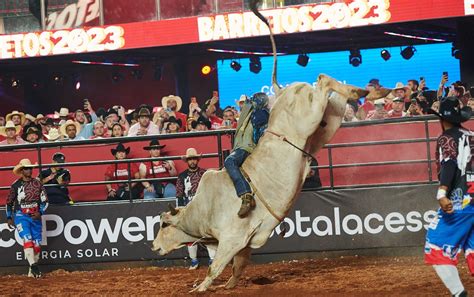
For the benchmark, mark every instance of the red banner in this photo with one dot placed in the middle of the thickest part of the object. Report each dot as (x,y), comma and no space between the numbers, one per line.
(294,19)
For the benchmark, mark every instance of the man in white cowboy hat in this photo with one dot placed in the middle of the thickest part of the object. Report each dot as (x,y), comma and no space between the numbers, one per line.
(173,104)
(186,187)
(63,115)
(26,203)
(144,126)
(70,130)
(53,135)
(451,232)
(18,118)
(10,131)
(401,91)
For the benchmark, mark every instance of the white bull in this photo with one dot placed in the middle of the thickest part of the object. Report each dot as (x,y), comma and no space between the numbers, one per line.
(277,171)
(276,168)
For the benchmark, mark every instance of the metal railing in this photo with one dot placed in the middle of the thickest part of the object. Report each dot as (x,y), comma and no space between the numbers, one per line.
(40,146)
(220,154)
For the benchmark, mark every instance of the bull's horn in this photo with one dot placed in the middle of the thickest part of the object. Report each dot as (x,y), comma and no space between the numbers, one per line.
(378,93)
(173,210)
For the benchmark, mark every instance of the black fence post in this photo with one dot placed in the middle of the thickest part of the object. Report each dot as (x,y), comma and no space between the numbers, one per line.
(129,181)
(331,173)
(40,168)
(219,150)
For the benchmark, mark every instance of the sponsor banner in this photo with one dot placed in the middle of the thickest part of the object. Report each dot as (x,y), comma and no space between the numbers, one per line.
(320,221)
(316,17)
(294,19)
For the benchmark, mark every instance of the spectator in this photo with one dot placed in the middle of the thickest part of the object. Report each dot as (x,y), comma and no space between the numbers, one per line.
(444,80)
(144,125)
(117,130)
(63,115)
(70,129)
(397,108)
(172,125)
(186,187)
(53,135)
(379,112)
(210,111)
(435,106)
(349,114)
(28,119)
(99,130)
(194,111)
(402,91)
(18,118)
(422,101)
(32,133)
(119,171)
(60,178)
(115,114)
(374,83)
(228,117)
(470,103)
(87,127)
(172,105)
(201,124)
(157,169)
(49,124)
(2,121)
(414,109)
(413,85)
(190,124)
(10,131)
(80,117)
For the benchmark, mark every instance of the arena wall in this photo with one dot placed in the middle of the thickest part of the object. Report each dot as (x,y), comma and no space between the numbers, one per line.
(102,233)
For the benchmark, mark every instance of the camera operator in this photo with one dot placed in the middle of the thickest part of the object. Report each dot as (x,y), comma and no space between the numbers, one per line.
(60,178)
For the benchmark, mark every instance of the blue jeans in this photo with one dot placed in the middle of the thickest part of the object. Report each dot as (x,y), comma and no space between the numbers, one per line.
(169,191)
(232,164)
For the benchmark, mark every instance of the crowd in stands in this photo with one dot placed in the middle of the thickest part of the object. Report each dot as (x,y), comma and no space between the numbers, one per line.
(87,123)
(407,100)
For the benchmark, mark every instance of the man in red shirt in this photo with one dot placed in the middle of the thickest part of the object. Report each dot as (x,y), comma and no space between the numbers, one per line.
(172,104)
(119,171)
(157,169)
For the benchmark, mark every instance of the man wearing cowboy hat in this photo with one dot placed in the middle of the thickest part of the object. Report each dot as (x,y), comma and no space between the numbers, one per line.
(173,104)
(70,129)
(157,169)
(452,229)
(119,171)
(10,131)
(201,124)
(144,125)
(186,187)
(32,133)
(26,203)
(18,118)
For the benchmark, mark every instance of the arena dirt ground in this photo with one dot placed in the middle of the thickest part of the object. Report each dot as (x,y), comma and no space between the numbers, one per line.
(344,276)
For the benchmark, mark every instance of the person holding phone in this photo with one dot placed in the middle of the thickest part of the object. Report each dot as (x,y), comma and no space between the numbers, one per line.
(172,105)
(379,113)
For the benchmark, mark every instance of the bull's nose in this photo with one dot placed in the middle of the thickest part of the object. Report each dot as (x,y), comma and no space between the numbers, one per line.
(155,249)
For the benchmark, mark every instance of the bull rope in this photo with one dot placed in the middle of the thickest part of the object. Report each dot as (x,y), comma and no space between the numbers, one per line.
(260,198)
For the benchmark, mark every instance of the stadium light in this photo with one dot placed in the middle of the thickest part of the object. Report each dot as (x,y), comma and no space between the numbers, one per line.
(302,60)
(408,52)
(255,65)
(355,58)
(385,54)
(455,52)
(235,65)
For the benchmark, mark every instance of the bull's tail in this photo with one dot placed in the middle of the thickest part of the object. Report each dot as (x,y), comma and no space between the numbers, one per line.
(254,9)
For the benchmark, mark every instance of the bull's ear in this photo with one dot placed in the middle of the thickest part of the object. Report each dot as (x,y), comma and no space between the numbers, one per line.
(173,211)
